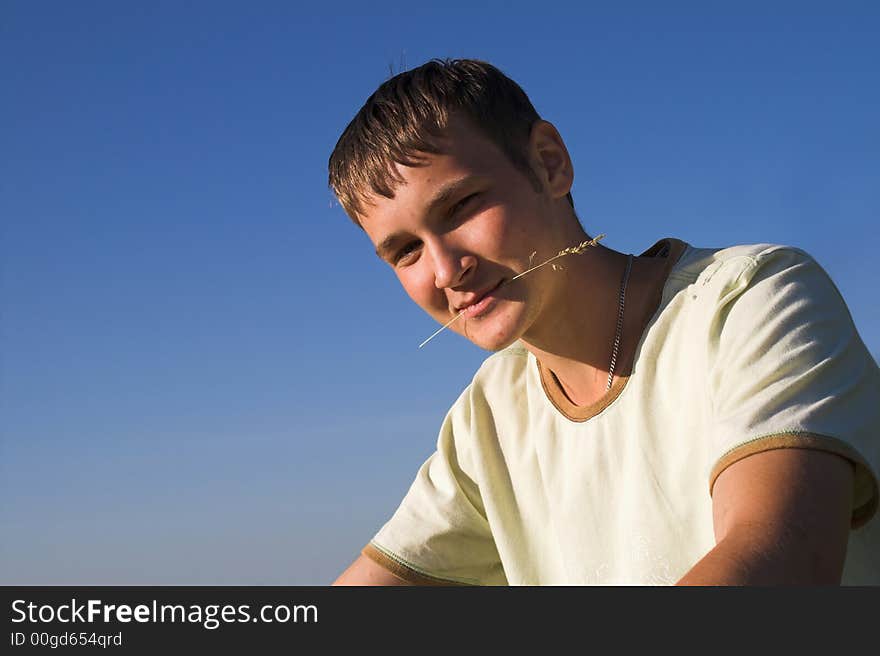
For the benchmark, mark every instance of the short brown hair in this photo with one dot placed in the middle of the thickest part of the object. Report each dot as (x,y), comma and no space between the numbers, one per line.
(406,115)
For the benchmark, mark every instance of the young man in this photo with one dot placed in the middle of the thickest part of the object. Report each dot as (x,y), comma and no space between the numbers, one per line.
(690,415)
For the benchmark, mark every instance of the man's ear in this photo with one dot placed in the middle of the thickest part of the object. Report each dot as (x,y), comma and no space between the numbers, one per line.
(550,159)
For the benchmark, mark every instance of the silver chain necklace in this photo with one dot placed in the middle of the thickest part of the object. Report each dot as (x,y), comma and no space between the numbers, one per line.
(629,261)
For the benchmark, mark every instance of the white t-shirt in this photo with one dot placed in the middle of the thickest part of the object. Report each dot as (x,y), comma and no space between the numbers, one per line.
(750,348)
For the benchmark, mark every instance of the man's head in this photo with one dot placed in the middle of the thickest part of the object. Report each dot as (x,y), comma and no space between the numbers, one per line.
(456,199)
(406,115)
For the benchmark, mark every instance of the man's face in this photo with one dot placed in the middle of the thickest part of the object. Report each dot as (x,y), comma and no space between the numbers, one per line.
(462,226)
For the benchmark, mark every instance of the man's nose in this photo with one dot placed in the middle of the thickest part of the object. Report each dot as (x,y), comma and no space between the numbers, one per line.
(452,266)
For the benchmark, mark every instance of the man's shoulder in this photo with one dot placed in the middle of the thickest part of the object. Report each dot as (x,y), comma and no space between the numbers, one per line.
(498,389)
(506,366)
(726,264)
(501,379)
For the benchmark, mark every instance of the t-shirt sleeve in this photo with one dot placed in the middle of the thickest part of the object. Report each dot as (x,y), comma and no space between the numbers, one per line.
(788,369)
(439,534)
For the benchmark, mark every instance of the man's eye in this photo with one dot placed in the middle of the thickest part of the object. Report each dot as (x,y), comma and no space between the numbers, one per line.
(461,204)
(405,253)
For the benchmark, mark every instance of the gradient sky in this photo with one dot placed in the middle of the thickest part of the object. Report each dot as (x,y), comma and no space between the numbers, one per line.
(206,375)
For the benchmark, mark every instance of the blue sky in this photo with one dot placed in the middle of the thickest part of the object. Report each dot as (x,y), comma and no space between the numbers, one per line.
(206,375)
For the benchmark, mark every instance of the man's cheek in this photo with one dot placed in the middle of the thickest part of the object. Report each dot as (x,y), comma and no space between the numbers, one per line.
(427,300)
(423,292)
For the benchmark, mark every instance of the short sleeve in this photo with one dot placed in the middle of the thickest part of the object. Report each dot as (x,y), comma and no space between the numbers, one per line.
(439,534)
(788,369)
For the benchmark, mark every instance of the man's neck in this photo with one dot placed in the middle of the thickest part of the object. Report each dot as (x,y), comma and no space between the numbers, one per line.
(575,337)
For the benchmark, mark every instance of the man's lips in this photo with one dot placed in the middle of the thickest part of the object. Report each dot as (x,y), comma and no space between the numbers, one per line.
(479,303)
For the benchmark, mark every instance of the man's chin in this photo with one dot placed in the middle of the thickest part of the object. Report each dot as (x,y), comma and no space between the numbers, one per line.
(493,335)
(492,344)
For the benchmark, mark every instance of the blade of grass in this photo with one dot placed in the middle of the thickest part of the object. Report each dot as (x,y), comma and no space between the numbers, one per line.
(571,250)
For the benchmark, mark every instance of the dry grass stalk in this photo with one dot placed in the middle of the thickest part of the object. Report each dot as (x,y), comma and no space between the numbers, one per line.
(571,250)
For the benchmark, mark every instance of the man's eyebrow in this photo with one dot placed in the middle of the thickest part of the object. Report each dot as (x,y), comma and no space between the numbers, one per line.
(444,195)
(441,198)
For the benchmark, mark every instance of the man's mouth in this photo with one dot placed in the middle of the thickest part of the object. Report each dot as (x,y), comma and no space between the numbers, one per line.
(481,303)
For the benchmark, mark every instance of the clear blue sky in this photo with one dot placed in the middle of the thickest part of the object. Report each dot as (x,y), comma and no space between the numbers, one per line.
(206,375)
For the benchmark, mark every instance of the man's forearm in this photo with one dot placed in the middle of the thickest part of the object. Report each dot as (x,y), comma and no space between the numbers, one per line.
(758,558)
